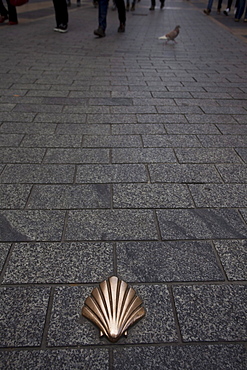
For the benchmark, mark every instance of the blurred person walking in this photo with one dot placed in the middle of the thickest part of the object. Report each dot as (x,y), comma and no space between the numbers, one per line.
(10,14)
(153,3)
(61,15)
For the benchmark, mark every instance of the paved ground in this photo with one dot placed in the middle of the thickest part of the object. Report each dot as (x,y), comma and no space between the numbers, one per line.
(123,156)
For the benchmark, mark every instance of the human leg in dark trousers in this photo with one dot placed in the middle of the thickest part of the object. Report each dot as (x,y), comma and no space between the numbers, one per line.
(121,14)
(153,3)
(103,7)
(61,15)
(10,14)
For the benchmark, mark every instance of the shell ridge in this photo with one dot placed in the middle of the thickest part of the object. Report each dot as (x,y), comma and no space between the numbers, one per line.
(104,287)
(135,316)
(95,310)
(121,299)
(92,317)
(130,294)
(98,297)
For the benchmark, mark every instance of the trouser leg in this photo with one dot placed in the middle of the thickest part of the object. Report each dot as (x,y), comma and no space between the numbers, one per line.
(121,11)
(103,7)
(61,11)
(12,12)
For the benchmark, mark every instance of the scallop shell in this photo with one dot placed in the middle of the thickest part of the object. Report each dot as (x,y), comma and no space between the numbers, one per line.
(113,307)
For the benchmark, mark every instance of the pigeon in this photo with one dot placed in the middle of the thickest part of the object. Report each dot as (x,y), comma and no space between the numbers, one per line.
(171,35)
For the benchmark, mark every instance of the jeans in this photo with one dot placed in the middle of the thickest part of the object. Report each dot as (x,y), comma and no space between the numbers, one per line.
(153,2)
(240,9)
(103,7)
(61,11)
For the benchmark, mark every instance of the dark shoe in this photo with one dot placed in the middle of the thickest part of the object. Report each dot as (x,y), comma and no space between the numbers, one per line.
(152,8)
(121,28)
(99,32)
(236,20)
(78,2)
(162,4)
(245,19)
(62,28)
(218,11)
(127,8)
(207,11)
(12,23)
(226,11)
(133,8)
(3,18)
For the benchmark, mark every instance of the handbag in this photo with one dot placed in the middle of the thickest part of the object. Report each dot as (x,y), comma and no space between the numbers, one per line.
(18,2)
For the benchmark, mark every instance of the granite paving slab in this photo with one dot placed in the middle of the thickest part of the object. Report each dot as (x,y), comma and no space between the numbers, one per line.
(56,359)
(143,155)
(183,173)
(27,128)
(112,173)
(10,140)
(223,141)
(233,256)
(22,155)
(203,155)
(37,173)
(84,129)
(173,141)
(70,196)
(219,195)
(228,356)
(111,141)
(177,224)
(53,263)
(151,196)
(192,129)
(14,196)
(43,141)
(122,224)
(233,173)
(211,312)
(69,328)
(242,152)
(169,261)
(23,312)
(137,128)
(77,155)
(18,225)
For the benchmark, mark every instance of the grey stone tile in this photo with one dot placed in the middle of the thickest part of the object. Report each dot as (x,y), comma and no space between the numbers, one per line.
(54,263)
(35,173)
(226,356)
(82,129)
(111,101)
(220,195)
(218,315)
(151,101)
(77,156)
(233,172)
(195,102)
(137,128)
(178,224)
(69,328)
(60,118)
(161,118)
(224,110)
(17,117)
(44,141)
(28,128)
(111,225)
(223,141)
(111,141)
(210,118)
(143,155)
(14,195)
(183,173)
(170,261)
(179,109)
(111,173)
(5,107)
(38,108)
(4,250)
(171,141)
(111,118)
(193,129)
(243,153)
(233,255)
(171,94)
(92,359)
(134,109)
(31,225)
(233,129)
(203,155)
(10,139)
(93,109)
(151,196)
(21,155)
(70,196)
(23,312)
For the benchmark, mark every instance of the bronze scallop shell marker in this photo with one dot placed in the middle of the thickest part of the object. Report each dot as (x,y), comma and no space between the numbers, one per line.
(113,307)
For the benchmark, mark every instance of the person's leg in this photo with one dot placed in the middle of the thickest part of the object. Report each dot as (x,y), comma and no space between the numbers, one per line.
(121,14)
(240,9)
(12,13)
(153,3)
(3,10)
(103,7)
(219,5)
(61,12)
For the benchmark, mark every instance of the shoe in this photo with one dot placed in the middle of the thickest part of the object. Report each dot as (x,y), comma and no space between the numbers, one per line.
(207,11)
(95,4)
(99,32)
(226,11)
(68,2)
(127,8)
(78,2)
(245,19)
(236,20)
(162,4)
(61,28)
(132,8)
(121,28)
(10,23)
(152,8)
(3,18)
(218,11)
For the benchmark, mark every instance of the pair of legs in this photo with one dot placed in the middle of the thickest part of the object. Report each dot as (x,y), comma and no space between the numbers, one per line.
(153,3)
(10,14)
(240,9)
(61,12)
(103,7)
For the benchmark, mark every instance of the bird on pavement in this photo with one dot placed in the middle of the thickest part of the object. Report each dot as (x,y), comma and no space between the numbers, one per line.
(171,35)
